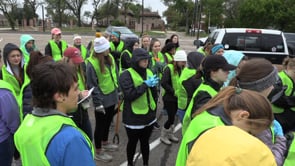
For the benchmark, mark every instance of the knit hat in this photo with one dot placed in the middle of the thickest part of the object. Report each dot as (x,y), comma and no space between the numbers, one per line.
(216,47)
(180,55)
(55,31)
(229,145)
(76,36)
(74,54)
(213,62)
(116,34)
(139,54)
(101,44)
(262,83)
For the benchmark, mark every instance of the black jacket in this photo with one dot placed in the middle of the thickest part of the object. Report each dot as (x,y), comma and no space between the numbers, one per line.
(166,83)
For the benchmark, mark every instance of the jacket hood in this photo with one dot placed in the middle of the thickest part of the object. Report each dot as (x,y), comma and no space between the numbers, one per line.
(7,49)
(130,44)
(137,55)
(234,58)
(24,40)
(194,60)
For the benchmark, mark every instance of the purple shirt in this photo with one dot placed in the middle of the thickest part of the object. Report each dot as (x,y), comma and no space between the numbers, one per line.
(9,114)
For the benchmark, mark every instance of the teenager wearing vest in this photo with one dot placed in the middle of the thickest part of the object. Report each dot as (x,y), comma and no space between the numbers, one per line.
(102,74)
(125,58)
(248,110)
(116,46)
(146,42)
(56,46)
(169,82)
(13,71)
(27,45)
(9,122)
(72,56)
(48,136)
(260,75)
(174,38)
(229,145)
(139,106)
(157,62)
(206,50)
(36,57)
(214,73)
(168,51)
(188,82)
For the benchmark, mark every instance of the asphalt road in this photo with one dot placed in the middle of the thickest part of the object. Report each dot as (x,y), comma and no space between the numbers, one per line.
(160,154)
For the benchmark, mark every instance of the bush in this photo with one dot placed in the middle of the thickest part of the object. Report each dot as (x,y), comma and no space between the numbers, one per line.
(117,23)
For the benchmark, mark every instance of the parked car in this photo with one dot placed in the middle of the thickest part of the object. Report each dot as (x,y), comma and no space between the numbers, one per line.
(290,38)
(262,43)
(126,33)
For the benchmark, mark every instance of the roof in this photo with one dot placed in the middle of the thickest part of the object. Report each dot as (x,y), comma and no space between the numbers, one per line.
(242,30)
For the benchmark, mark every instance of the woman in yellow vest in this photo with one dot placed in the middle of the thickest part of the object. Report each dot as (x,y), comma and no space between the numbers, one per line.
(27,45)
(248,110)
(102,74)
(72,56)
(139,106)
(116,46)
(56,46)
(125,58)
(260,75)
(169,83)
(168,51)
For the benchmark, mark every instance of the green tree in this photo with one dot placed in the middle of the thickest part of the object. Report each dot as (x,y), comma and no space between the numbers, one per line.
(56,9)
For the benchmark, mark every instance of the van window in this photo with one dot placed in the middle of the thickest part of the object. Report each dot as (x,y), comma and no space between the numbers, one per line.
(254,42)
(212,37)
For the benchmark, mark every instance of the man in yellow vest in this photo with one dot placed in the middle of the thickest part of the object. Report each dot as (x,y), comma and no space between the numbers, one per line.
(48,136)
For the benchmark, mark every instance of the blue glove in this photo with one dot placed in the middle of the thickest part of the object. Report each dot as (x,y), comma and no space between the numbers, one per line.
(278,131)
(155,80)
(149,81)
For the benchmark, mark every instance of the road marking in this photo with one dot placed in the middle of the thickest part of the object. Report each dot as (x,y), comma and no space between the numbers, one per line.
(153,145)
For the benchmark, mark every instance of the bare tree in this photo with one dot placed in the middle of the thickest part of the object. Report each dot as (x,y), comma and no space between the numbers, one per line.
(8,8)
(56,9)
(75,6)
(95,5)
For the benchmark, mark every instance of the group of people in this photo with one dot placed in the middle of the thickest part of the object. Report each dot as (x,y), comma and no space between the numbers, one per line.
(223,99)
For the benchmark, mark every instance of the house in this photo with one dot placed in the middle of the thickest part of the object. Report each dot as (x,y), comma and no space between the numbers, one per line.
(3,21)
(151,21)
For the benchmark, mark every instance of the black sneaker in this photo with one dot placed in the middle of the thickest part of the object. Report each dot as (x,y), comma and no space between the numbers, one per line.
(157,126)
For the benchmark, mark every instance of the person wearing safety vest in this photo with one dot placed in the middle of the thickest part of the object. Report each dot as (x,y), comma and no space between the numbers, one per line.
(36,57)
(215,70)
(56,46)
(146,42)
(206,50)
(231,106)
(227,146)
(284,107)
(169,83)
(72,56)
(138,84)
(10,120)
(102,74)
(125,58)
(157,61)
(188,82)
(168,51)
(174,38)
(260,75)
(27,45)
(48,136)
(13,71)
(116,46)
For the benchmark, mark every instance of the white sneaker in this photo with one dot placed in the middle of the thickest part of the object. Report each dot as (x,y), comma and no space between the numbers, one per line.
(102,156)
(110,147)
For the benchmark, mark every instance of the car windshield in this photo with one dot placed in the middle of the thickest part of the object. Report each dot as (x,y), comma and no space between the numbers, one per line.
(290,36)
(123,30)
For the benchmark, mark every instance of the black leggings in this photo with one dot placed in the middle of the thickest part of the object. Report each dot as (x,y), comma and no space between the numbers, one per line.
(143,135)
(102,125)
(171,108)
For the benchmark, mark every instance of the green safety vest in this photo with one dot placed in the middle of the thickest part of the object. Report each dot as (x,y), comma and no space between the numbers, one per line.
(187,116)
(287,81)
(290,158)
(108,81)
(120,65)
(169,57)
(81,82)
(174,79)
(6,85)
(83,52)
(26,55)
(160,56)
(181,91)
(55,51)
(198,125)
(119,48)
(142,104)
(35,134)
(202,51)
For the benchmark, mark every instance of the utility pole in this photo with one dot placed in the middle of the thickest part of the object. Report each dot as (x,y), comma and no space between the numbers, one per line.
(43,22)
(195,16)
(142,8)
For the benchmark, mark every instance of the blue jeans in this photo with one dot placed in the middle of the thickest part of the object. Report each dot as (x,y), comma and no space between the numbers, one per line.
(180,114)
(6,151)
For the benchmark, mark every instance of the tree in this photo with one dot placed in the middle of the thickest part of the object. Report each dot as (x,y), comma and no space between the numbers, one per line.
(75,6)
(56,9)
(9,8)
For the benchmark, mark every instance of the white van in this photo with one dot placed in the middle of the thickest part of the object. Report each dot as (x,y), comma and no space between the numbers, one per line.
(263,43)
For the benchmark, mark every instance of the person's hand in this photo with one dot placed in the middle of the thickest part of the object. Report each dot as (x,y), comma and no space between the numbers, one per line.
(83,93)
(155,81)
(149,81)
(278,130)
